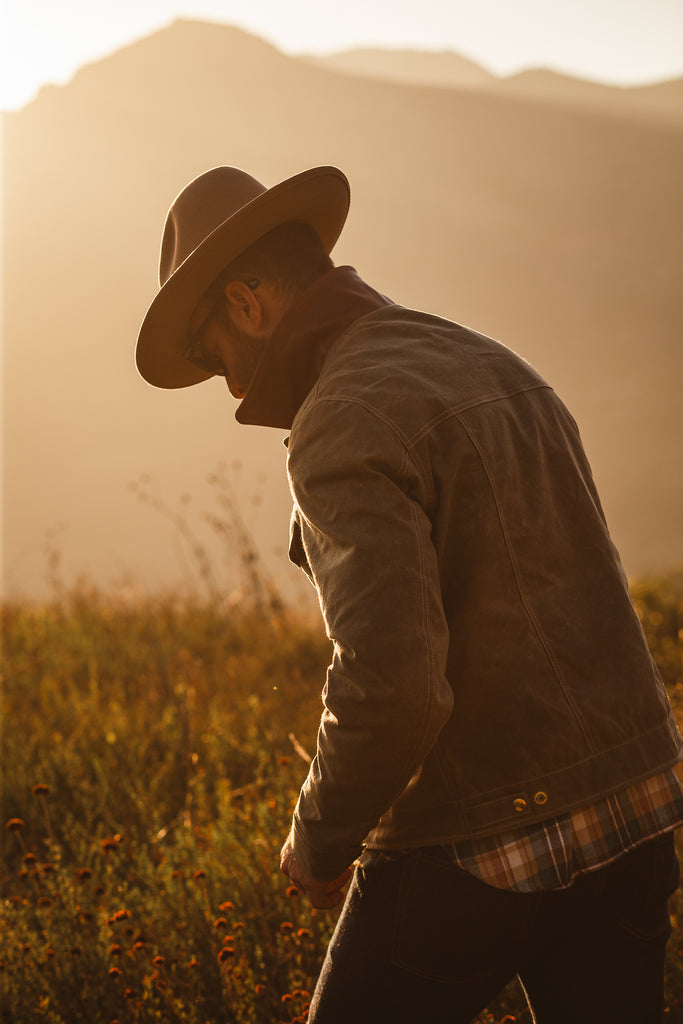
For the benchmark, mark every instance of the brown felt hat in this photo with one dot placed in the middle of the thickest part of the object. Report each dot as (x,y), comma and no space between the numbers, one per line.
(215,218)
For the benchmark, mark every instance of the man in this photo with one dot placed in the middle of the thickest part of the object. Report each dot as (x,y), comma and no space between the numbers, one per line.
(496,753)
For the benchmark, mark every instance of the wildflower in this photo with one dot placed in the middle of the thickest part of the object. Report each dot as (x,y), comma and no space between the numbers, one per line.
(259,989)
(220,922)
(303,933)
(14,824)
(305,994)
(120,915)
(193,962)
(41,789)
(176,875)
(287,998)
(30,859)
(291,891)
(83,874)
(272,804)
(114,972)
(286,927)
(109,843)
(139,946)
(128,993)
(198,875)
(48,868)
(115,950)
(225,953)
(238,925)
(158,961)
(227,906)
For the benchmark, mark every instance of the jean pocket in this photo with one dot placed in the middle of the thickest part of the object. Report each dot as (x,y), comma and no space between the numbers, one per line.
(450,927)
(644,912)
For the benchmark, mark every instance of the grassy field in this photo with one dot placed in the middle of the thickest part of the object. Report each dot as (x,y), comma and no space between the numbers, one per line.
(152,755)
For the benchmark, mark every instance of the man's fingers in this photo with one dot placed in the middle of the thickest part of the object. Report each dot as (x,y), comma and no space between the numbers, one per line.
(340,882)
(325,900)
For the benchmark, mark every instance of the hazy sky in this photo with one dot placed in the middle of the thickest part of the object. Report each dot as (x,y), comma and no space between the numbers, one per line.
(619,41)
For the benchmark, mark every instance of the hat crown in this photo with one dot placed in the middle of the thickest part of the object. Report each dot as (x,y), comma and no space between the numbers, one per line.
(199,209)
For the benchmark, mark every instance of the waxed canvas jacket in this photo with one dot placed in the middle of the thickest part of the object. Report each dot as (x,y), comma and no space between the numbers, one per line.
(488,666)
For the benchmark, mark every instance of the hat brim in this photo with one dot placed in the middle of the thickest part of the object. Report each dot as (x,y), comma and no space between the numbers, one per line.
(319,197)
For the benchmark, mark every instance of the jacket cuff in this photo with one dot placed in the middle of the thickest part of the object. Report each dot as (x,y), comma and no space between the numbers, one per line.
(323,865)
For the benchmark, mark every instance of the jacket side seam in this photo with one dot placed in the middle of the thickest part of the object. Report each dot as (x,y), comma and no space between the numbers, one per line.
(523,598)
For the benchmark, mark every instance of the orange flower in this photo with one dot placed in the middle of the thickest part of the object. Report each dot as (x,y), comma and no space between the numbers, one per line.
(286,927)
(115,950)
(114,972)
(227,906)
(120,915)
(14,824)
(83,874)
(291,891)
(41,789)
(287,998)
(30,859)
(238,925)
(220,922)
(225,954)
(198,875)
(259,989)
(193,962)
(158,961)
(110,843)
(303,933)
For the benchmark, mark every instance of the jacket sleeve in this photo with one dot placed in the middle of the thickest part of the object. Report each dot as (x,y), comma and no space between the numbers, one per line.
(367,540)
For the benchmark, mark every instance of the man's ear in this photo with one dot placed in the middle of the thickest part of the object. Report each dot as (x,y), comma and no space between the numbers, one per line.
(245,307)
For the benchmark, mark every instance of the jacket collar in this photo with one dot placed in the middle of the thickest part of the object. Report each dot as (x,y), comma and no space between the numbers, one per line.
(293,358)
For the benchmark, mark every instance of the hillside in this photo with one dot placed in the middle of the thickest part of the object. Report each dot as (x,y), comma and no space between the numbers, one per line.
(551,227)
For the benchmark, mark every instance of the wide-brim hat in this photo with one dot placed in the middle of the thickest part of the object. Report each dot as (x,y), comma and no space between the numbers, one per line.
(214,219)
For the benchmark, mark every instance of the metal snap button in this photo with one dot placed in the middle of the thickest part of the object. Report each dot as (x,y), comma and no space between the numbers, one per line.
(541,797)
(519,804)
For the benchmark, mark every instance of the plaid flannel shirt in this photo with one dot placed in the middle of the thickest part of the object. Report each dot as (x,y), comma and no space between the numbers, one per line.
(551,854)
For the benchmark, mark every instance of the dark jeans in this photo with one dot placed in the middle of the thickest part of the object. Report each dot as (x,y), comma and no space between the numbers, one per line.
(420,940)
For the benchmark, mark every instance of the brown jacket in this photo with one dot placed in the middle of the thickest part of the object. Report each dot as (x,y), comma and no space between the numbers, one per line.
(489,669)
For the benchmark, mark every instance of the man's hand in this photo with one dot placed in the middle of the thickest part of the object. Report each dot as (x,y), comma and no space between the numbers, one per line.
(322,895)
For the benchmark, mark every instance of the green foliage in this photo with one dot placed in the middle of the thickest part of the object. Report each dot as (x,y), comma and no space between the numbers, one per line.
(152,757)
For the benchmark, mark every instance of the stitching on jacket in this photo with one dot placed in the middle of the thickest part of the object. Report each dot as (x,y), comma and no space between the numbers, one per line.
(465,407)
(525,603)
(407,445)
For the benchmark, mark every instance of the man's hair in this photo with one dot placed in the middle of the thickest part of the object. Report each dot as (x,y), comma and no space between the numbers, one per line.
(291,256)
